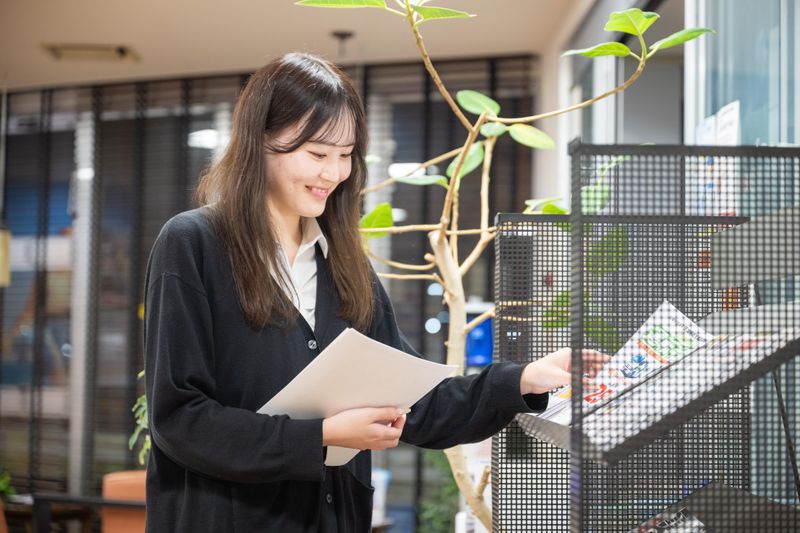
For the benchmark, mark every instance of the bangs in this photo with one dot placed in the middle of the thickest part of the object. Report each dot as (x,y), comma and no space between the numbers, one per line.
(326,122)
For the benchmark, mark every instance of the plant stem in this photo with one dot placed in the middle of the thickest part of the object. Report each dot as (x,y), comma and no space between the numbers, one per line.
(429,277)
(396,264)
(426,164)
(432,71)
(475,322)
(486,236)
(448,201)
(401,229)
(581,105)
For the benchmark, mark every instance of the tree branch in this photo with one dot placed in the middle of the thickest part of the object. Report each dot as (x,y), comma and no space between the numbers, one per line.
(476,252)
(426,164)
(475,322)
(396,264)
(432,71)
(401,229)
(429,277)
(481,486)
(580,105)
(448,200)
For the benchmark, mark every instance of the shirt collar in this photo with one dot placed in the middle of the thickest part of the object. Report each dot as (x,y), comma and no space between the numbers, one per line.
(312,234)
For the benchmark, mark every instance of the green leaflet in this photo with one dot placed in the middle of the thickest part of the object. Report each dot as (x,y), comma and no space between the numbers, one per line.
(380,217)
(602,49)
(433,13)
(530,136)
(477,103)
(686,34)
(633,21)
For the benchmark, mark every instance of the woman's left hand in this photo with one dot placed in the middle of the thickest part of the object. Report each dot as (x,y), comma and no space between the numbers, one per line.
(554,370)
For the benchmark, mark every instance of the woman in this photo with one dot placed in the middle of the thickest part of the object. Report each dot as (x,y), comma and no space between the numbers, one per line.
(245,291)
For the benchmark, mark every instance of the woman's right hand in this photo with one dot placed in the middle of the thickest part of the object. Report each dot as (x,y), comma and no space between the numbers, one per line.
(365,428)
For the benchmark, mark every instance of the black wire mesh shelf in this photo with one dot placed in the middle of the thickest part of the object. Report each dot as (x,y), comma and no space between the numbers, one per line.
(638,420)
(715,231)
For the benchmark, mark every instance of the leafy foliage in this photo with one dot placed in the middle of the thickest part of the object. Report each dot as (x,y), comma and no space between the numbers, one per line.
(477,103)
(633,21)
(493,129)
(6,489)
(602,49)
(380,217)
(439,507)
(433,13)
(530,136)
(685,35)
(142,426)
(432,179)
(473,160)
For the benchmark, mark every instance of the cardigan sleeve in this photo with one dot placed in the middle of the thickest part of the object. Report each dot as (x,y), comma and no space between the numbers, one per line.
(463,408)
(187,423)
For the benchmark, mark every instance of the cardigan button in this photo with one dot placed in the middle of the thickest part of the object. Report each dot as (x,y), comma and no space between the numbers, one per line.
(329,498)
(312,344)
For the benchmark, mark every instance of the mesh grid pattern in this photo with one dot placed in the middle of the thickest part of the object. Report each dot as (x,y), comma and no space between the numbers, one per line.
(693,423)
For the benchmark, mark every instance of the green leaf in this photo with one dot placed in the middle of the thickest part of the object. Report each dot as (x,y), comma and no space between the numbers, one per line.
(493,129)
(553,208)
(633,21)
(530,136)
(134,437)
(535,204)
(602,49)
(557,313)
(608,254)
(601,331)
(686,34)
(477,103)
(380,217)
(473,161)
(432,13)
(423,180)
(613,162)
(594,198)
(342,3)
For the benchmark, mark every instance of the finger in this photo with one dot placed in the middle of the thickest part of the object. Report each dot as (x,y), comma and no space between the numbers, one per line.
(560,377)
(389,433)
(385,414)
(399,422)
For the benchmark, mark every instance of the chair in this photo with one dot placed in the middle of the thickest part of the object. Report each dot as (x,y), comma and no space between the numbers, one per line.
(124,485)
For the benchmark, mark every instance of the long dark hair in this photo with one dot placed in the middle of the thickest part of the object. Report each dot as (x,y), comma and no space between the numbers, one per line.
(312,92)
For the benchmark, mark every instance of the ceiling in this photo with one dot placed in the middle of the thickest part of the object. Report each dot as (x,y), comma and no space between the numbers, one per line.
(175,38)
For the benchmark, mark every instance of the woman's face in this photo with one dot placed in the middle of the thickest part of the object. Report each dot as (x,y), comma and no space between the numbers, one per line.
(301,181)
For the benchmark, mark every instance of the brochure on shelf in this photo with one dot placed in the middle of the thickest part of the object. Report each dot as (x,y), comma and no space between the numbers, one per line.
(669,371)
(666,337)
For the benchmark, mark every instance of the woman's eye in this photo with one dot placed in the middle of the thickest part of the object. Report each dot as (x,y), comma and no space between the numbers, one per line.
(317,155)
(347,156)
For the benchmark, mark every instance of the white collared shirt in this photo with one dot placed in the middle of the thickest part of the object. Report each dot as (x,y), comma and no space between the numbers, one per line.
(303,271)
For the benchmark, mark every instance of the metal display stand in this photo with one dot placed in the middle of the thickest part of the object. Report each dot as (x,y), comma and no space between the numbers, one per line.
(716,232)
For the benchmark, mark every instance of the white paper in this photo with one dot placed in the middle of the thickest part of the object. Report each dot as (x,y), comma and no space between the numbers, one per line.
(355,371)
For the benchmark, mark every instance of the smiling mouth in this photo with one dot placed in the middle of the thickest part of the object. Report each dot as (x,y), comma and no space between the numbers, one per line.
(318,192)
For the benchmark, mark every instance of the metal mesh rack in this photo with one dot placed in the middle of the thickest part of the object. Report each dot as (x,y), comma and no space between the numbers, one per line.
(694,422)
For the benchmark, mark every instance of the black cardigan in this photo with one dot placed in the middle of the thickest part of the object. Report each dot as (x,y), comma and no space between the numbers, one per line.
(217,465)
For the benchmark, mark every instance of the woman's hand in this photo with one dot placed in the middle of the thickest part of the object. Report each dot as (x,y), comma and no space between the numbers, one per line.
(554,370)
(366,428)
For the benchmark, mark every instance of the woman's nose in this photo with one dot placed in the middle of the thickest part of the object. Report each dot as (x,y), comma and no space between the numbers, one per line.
(330,172)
